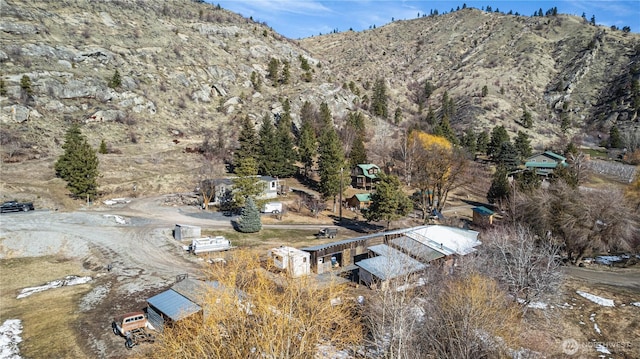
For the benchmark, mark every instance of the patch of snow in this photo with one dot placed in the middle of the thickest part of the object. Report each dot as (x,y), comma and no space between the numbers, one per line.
(637,304)
(598,300)
(110,202)
(66,281)
(10,332)
(602,349)
(418,283)
(596,328)
(608,260)
(535,305)
(118,219)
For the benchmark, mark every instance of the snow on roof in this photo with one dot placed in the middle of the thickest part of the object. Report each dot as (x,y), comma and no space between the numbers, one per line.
(446,240)
(390,263)
(416,249)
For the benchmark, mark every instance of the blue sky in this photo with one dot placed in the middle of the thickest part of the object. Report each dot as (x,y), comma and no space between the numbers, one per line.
(303,18)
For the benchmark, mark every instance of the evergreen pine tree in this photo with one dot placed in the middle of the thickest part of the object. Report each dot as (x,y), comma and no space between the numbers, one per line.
(388,202)
(247,184)
(507,156)
(26,92)
(249,221)
(444,130)
(615,140)
(285,141)
(358,154)
(330,163)
(482,142)
(270,155)
(469,141)
(286,73)
(379,99)
(248,141)
(431,117)
(307,146)
(527,121)
(499,190)
(309,114)
(78,165)
(272,72)
(326,118)
(103,147)
(115,80)
(522,144)
(397,116)
(499,135)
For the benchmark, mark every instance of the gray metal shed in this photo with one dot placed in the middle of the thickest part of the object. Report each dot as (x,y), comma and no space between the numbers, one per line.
(388,265)
(179,302)
(183,231)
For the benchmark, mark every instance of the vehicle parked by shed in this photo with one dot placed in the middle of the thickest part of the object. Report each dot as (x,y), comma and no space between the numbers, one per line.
(327,233)
(208,244)
(134,327)
(15,206)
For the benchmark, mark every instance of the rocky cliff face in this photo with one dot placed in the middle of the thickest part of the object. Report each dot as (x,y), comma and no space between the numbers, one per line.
(552,66)
(187,70)
(184,67)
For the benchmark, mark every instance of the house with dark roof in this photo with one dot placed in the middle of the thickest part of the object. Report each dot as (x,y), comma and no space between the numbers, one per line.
(544,163)
(359,201)
(365,176)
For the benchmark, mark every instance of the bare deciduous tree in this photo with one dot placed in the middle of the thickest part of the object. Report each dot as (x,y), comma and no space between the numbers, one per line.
(527,266)
(468,317)
(584,221)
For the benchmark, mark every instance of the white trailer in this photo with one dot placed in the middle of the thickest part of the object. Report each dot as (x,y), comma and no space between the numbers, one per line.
(208,244)
(272,207)
(292,260)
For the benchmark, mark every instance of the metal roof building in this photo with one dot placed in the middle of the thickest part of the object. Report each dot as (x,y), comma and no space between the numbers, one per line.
(389,264)
(178,302)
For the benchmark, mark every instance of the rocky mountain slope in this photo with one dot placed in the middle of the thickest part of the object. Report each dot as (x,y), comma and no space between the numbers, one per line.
(188,70)
(552,66)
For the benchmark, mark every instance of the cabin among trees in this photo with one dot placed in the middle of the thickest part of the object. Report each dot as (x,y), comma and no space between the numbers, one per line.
(544,163)
(365,176)
(359,201)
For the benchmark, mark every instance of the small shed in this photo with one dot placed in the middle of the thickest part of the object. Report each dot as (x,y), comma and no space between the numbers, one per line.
(359,201)
(183,231)
(387,265)
(482,216)
(182,300)
(292,260)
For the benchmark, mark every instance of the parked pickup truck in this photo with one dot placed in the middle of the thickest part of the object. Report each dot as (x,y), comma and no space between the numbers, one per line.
(327,233)
(134,327)
(13,206)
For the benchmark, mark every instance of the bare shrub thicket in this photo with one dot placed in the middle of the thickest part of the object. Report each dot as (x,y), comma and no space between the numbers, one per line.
(582,221)
(459,316)
(524,264)
(256,314)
